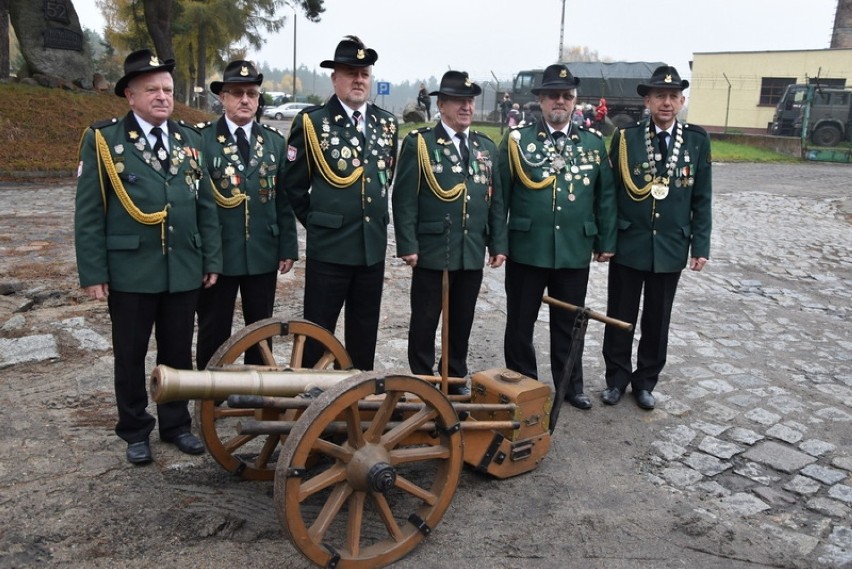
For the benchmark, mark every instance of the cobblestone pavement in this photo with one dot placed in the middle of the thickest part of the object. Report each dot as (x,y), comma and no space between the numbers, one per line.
(746,461)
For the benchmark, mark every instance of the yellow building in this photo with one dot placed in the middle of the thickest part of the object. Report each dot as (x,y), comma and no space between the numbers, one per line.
(740,89)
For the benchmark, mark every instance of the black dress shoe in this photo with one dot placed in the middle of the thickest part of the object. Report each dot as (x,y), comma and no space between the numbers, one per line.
(458,389)
(579,400)
(611,395)
(644,399)
(139,453)
(188,443)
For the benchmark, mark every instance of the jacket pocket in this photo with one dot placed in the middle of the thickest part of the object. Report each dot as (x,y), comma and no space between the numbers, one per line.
(430,227)
(273,229)
(623,224)
(590,228)
(520,223)
(687,231)
(196,240)
(322,219)
(122,242)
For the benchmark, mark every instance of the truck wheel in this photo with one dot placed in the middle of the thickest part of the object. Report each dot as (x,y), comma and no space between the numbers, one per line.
(622,120)
(826,135)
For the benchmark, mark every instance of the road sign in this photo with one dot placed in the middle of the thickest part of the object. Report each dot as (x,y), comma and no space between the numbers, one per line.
(383,88)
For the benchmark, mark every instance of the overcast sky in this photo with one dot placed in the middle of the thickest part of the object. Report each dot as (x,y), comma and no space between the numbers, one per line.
(416,40)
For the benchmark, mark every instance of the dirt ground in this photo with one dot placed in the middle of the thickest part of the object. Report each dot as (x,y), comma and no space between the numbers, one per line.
(68,498)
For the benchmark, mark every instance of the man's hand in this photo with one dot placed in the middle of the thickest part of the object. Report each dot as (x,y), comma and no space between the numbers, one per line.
(98,291)
(210,279)
(604,257)
(697,263)
(410,260)
(496,261)
(284,266)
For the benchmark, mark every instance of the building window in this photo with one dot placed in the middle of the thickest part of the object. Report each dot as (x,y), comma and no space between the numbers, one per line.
(828,82)
(772,88)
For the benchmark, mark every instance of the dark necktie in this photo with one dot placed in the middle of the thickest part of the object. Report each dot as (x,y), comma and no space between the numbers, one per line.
(242,145)
(463,150)
(664,147)
(356,118)
(558,136)
(160,148)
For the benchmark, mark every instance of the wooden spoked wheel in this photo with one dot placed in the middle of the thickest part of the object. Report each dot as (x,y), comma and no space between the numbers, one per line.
(367,497)
(254,456)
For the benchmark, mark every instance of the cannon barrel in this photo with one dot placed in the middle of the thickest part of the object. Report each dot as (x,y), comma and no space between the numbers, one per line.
(169,384)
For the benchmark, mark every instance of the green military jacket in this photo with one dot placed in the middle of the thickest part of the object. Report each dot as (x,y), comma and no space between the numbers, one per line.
(257,222)
(662,214)
(138,227)
(444,214)
(561,202)
(338,184)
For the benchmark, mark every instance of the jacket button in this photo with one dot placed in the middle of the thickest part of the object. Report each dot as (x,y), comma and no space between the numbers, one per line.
(655,232)
(559,208)
(171,228)
(367,219)
(656,215)
(369,199)
(557,228)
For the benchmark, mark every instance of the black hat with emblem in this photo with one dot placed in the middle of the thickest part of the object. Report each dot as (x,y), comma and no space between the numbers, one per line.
(457,84)
(664,77)
(351,51)
(556,77)
(238,71)
(141,62)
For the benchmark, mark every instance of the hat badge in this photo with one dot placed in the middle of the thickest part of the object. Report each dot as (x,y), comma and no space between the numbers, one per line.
(563,74)
(668,79)
(154,62)
(467,82)
(244,71)
(361,54)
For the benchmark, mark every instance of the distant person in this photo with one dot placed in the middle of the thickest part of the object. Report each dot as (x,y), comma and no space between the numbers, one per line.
(662,171)
(447,210)
(506,106)
(424,101)
(514,117)
(261,103)
(601,112)
(245,161)
(341,158)
(147,239)
(588,115)
(562,213)
(577,116)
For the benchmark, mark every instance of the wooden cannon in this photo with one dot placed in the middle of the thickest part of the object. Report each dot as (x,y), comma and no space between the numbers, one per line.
(364,464)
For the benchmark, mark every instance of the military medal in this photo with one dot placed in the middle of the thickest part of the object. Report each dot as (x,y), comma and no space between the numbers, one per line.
(346,153)
(571,197)
(659,191)
(341,164)
(559,163)
(356,162)
(119,167)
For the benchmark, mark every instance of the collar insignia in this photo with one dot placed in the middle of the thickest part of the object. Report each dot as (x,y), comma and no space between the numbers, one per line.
(133,135)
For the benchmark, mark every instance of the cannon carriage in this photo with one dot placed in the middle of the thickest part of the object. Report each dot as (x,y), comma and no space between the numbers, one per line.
(365,464)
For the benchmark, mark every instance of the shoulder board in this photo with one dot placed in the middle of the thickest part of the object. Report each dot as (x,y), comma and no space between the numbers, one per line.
(273,129)
(590,130)
(311,109)
(694,127)
(632,125)
(417,131)
(481,134)
(202,125)
(101,124)
(185,124)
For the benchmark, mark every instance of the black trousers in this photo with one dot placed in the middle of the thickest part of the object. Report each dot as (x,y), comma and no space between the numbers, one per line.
(216,312)
(624,289)
(328,286)
(426,312)
(133,315)
(525,285)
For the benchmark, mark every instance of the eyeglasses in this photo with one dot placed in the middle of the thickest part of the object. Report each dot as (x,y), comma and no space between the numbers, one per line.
(240,93)
(556,96)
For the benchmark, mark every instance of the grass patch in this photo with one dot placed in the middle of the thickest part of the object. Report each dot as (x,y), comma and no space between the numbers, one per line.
(40,128)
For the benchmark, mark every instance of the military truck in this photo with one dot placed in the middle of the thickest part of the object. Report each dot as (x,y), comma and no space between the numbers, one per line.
(822,115)
(614,81)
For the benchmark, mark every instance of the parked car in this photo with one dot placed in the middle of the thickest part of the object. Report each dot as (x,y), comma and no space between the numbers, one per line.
(285,111)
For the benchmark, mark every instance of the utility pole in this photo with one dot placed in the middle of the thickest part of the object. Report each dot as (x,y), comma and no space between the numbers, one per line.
(561,33)
(295,17)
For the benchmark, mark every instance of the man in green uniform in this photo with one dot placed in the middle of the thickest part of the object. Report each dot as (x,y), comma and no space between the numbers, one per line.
(147,239)
(447,208)
(245,161)
(561,200)
(662,172)
(340,166)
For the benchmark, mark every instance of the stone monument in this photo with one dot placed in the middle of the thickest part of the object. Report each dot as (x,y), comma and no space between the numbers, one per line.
(52,41)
